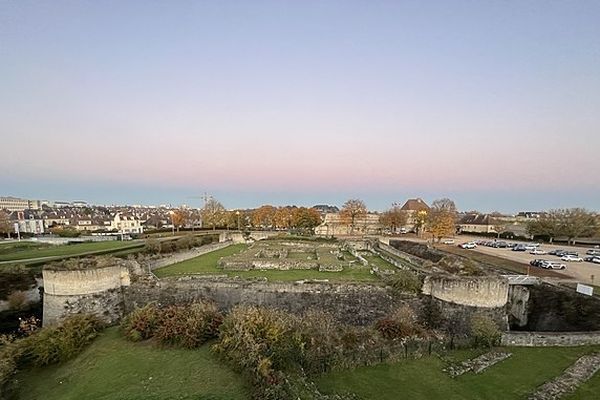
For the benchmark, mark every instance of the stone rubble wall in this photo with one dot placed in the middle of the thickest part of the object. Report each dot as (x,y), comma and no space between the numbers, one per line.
(550,339)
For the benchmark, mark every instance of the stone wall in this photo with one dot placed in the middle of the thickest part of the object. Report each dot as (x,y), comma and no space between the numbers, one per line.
(543,339)
(419,250)
(66,283)
(354,304)
(95,290)
(487,292)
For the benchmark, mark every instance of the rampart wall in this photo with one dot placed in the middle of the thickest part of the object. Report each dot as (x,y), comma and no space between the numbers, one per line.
(489,292)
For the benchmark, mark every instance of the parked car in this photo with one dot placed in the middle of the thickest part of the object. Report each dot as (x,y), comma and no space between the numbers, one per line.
(593,252)
(557,252)
(531,246)
(501,245)
(553,265)
(538,251)
(537,262)
(592,259)
(448,241)
(468,245)
(519,247)
(570,257)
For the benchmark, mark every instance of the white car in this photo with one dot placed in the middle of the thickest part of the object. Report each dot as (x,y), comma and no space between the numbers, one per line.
(569,257)
(553,265)
(448,241)
(468,245)
(538,251)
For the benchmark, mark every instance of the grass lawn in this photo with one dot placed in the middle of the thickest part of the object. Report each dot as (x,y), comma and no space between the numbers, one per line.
(513,378)
(207,265)
(113,368)
(377,261)
(68,250)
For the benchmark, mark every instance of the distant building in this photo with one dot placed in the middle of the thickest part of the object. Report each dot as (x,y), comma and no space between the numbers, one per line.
(324,209)
(27,221)
(17,204)
(334,225)
(411,207)
(126,223)
(477,223)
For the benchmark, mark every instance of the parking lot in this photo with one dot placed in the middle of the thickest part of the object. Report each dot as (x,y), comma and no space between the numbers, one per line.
(584,272)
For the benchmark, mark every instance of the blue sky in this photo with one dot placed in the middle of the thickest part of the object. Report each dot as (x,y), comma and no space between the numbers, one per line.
(494,104)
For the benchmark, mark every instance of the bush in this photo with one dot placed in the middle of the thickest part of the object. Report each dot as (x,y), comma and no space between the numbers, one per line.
(141,324)
(405,281)
(188,326)
(152,246)
(485,331)
(432,314)
(401,324)
(59,343)
(168,246)
(259,341)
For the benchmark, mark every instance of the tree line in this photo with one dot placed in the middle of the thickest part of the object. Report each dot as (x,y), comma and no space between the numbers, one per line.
(569,223)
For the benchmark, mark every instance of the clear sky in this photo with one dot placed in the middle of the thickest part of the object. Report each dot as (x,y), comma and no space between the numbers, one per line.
(495,104)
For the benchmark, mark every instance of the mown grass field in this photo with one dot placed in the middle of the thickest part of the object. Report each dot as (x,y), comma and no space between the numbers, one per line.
(32,251)
(113,368)
(207,265)
(513,378)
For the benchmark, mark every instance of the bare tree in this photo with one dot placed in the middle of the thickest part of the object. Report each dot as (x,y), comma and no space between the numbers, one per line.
(213,213)
(351,211)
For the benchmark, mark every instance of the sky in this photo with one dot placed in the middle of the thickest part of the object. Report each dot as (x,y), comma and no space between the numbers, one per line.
(495,104)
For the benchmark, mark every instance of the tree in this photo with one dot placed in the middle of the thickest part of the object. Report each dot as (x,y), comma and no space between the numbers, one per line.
(283,217)
(441,219)
(578,223)
(264,217)
(419,219)
(498,225)
(352,210)
(179,218)
(548,224)
(393,218)
(213,213)
(306,219)
(5,225)
(571,223)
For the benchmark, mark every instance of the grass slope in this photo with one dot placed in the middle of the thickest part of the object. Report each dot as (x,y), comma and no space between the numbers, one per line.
(17,253)
(513,378)
(207,264)
(113,368)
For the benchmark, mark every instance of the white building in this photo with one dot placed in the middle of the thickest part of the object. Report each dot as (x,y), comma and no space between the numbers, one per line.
(16,204)
(124,223)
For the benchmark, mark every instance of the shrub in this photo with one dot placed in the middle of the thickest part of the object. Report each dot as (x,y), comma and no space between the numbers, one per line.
(320,335)
(405,281)
(168,246)
(59,343)
(17,300)
(152,246)
(186,242)
(485,331)
(259,341)
(432,314)
(188,325)
(401,324)
(141,324)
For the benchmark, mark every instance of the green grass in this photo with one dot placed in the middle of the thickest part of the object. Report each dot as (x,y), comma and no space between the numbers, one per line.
(68,250)
(377,261)
(207,265)
(113,368)
(513,378)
